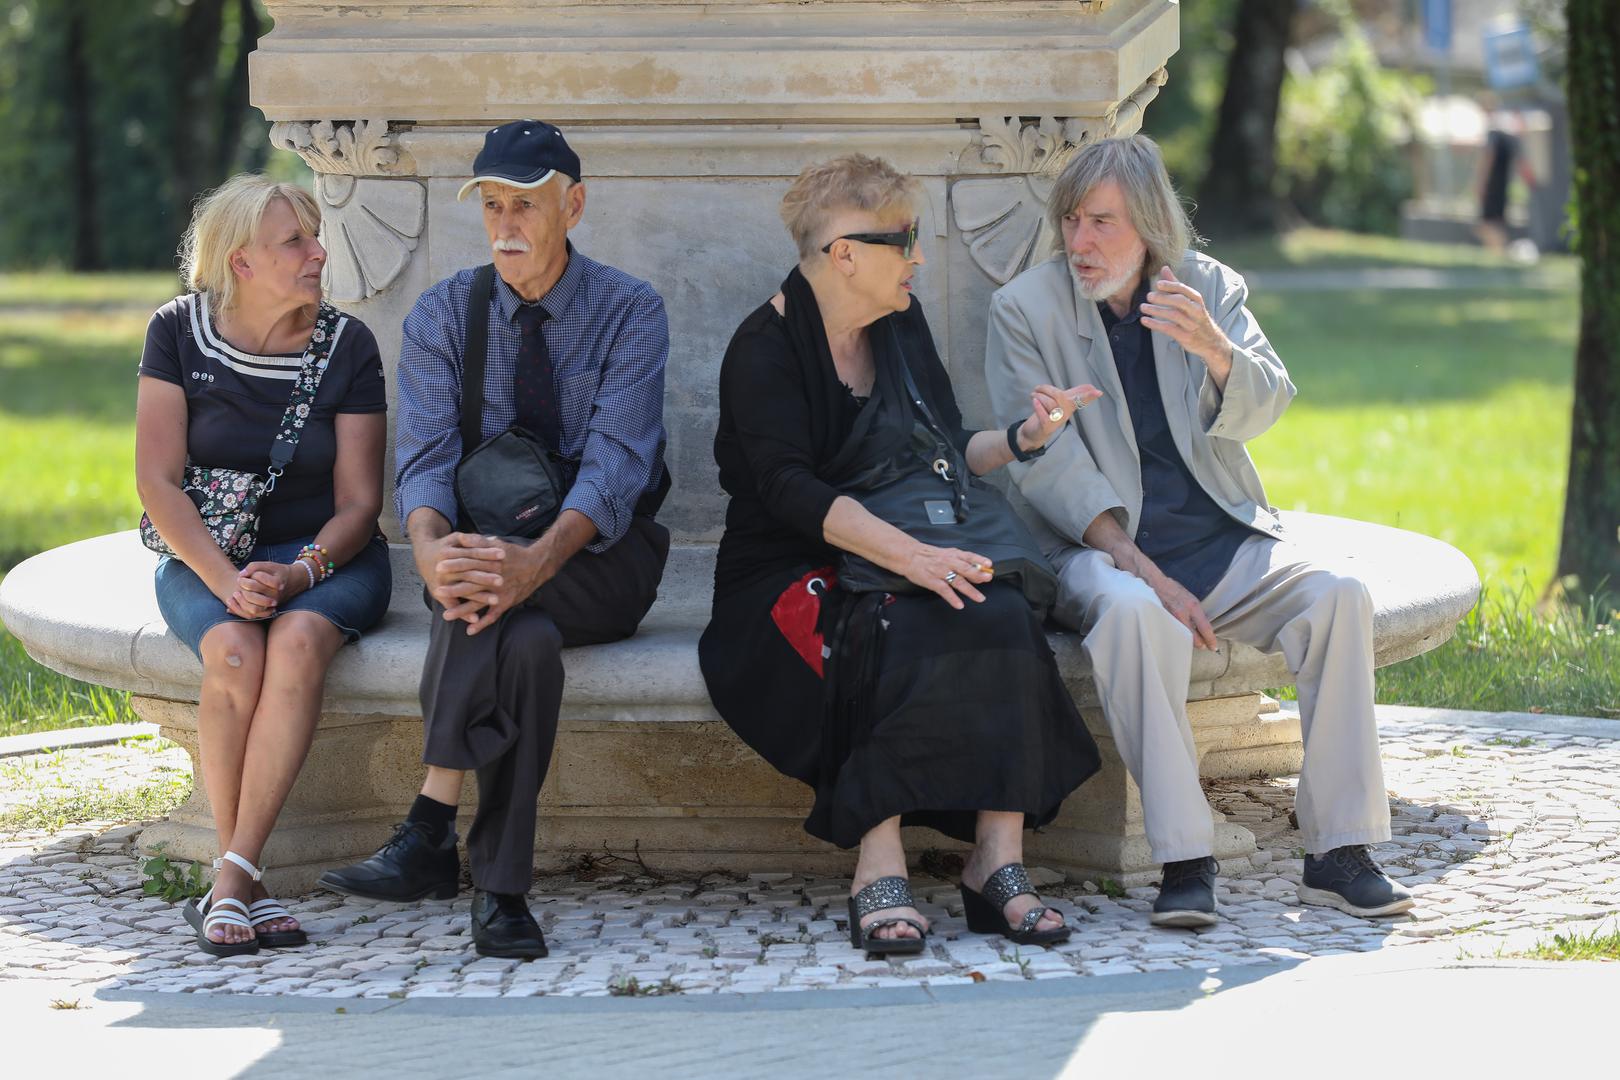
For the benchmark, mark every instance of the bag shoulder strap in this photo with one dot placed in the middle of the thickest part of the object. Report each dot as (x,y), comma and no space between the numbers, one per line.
(473,356)
(912,389)
(305,386)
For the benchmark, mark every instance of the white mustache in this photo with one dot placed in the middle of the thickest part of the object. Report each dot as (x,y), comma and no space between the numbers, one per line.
(513,246)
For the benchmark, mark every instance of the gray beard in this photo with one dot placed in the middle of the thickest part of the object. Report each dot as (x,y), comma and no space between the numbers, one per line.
(1104,288)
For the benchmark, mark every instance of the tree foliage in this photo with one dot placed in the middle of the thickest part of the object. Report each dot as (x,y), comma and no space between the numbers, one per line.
(1589,549)
(1341,135)
(116,115)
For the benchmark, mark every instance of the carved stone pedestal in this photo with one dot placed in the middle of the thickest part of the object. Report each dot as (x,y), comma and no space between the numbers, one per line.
(681,794)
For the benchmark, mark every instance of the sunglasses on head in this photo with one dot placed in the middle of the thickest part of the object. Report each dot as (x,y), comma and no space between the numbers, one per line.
(905,239)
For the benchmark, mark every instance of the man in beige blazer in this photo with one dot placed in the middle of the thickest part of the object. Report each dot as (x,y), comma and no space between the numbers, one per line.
(1156,520)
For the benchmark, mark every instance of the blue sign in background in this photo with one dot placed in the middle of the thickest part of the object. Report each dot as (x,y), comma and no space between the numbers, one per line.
(1510,58)
(1437,24)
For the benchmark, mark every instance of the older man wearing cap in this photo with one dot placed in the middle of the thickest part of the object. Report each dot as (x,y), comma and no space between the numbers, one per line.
(574,355)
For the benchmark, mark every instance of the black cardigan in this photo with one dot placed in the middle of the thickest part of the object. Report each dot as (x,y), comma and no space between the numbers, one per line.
(784,414)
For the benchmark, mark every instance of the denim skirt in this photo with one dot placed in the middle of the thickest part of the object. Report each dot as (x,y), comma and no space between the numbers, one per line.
(353,599)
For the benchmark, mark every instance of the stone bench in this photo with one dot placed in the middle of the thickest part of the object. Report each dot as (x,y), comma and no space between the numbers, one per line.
(643,764)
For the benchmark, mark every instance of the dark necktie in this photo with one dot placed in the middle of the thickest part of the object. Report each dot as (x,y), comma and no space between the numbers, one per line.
(533,391)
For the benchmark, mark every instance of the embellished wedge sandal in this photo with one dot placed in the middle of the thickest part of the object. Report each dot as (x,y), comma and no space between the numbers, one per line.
(984,910)
(881,895)
(259,913)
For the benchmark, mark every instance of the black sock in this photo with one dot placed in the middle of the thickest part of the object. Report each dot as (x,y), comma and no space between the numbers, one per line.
(440,818)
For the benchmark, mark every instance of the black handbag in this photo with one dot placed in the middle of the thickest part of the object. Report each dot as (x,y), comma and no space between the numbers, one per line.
(510,484)
(928,493)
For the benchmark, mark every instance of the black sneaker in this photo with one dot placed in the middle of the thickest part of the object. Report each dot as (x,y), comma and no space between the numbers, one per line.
(1346,878)
(408,867)
(503,926)
(1187,894)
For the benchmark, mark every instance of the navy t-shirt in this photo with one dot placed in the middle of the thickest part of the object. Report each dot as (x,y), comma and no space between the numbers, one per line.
(235,401)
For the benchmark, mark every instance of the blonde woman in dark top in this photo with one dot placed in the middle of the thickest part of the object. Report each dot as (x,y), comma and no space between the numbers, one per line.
(219,368)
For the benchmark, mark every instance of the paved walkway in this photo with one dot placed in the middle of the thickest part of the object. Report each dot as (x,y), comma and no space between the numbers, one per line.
(1501,832)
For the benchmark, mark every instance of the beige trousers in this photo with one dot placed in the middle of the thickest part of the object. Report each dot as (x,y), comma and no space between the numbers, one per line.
(1276,599)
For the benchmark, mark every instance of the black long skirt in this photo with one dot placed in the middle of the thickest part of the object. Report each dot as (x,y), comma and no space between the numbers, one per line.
(968,713)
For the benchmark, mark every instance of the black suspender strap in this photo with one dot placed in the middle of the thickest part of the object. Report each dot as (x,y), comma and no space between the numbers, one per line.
(472,358)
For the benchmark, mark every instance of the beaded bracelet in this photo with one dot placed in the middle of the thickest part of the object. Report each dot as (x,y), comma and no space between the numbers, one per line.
(321,558)
(305,564)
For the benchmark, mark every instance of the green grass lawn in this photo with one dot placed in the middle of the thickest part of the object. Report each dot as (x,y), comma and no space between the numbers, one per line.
(1446,412)
(1442,412)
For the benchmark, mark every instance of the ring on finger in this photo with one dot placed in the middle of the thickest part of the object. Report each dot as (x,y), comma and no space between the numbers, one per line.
(1055,415)
(950,577)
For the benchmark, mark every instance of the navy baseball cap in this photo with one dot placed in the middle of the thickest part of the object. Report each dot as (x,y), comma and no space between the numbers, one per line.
(522,154)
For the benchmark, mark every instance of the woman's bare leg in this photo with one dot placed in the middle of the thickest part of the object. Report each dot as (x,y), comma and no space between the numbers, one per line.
(883,855)
(299,649)
(999,841)
(233,667)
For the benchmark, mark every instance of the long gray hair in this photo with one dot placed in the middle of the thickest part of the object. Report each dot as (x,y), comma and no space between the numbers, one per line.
(1135,164)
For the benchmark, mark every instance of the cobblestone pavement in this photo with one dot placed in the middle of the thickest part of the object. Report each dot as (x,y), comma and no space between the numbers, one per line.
(1498,832)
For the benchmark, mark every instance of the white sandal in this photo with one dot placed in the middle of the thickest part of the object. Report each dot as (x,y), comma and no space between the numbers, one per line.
(199,914)
(226,911)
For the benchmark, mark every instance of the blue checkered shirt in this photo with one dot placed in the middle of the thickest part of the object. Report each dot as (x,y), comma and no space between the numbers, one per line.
(609,343)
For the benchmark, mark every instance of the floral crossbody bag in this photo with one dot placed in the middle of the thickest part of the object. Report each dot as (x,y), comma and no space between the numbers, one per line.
(228,500)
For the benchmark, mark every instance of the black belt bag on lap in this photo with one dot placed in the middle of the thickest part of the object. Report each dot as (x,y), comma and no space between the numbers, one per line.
(927,493)
(510,484)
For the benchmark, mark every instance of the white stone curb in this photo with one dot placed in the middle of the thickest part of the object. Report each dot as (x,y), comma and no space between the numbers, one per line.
(75,738)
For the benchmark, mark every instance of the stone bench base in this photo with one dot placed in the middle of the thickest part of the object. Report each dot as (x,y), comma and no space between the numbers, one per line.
(642,763)
(685,795)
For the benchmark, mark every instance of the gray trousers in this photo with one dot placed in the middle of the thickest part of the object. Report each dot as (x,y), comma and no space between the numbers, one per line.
(1274,598)
(490,701)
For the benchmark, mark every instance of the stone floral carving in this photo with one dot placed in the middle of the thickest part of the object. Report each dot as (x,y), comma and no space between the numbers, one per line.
(1028,148)
(1003,218)
(370,228)
(361,148)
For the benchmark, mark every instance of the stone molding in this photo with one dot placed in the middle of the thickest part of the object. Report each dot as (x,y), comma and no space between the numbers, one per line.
(485,60)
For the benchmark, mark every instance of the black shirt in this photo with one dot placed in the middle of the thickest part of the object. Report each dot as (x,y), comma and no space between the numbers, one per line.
(1181,528)
(235,401)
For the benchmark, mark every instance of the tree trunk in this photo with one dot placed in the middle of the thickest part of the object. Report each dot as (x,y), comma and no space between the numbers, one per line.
(196,126)
(1589,549)
(235,111)
(1236,197)
(81,127)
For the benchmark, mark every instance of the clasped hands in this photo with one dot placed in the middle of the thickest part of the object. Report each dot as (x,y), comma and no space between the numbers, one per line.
(479,578)
(262,586)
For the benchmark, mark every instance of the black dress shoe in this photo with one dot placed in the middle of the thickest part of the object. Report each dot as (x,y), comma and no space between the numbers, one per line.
(408,867)
(1186,894)
(1347,878)
(502,926)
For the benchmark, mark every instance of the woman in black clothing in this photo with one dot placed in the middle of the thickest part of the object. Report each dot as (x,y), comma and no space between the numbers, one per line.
(965,725)
(217,390)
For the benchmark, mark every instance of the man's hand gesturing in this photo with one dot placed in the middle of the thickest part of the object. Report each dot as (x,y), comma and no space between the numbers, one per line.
(1177,311)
